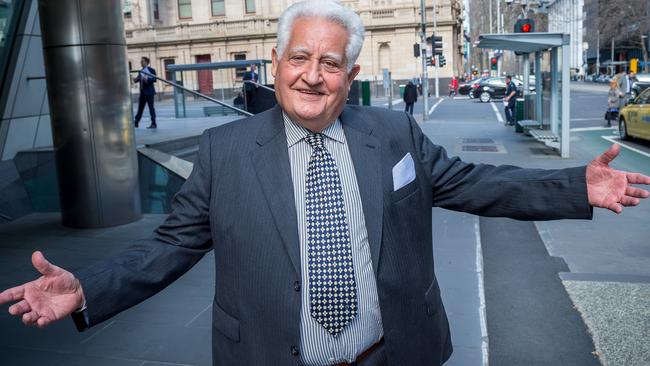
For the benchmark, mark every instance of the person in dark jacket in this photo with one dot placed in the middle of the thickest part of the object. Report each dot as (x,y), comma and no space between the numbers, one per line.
(147,91)
(410,97)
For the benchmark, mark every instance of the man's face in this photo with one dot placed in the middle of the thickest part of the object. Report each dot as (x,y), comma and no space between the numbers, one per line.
(253,68)
(508,81)
(311,78)
(143,63)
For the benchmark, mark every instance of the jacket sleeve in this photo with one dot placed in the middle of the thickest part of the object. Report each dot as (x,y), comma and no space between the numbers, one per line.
(503,191)
(148,266)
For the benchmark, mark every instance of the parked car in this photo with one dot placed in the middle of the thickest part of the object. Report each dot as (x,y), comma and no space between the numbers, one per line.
(634,119)
(642,83)
(493,88)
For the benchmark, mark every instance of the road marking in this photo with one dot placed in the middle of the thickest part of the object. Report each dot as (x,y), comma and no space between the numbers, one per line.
(592,129)
(433,108)
(481,293)
(198,315)
(462,97)
(615,141)
(587,119)
(395,102)
(496,111)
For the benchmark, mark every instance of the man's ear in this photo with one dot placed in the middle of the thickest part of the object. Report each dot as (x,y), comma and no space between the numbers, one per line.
(274,61)
(353,74)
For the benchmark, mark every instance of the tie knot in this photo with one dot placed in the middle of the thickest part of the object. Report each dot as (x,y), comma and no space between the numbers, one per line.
(316,141)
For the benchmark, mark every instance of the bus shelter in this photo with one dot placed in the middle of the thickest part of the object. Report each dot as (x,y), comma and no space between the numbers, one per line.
(535,44)
(177,76)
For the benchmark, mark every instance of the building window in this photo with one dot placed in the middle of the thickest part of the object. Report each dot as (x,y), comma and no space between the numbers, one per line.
(239,72)
(250,6)
(185,9)
(167,62)
(126,9)
(218,8)
(156,11)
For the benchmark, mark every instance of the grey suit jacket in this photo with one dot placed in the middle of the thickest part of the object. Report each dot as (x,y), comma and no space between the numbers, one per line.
(239,202)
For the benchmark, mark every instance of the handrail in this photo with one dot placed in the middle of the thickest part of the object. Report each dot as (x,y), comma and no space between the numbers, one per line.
(260,85)
(195,93)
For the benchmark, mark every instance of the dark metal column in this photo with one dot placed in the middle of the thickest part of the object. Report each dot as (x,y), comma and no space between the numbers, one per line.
(88,89)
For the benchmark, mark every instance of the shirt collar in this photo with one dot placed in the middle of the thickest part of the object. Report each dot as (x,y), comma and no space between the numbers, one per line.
(295,132)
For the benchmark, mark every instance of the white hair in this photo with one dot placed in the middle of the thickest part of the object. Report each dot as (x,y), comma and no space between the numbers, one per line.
(326,9)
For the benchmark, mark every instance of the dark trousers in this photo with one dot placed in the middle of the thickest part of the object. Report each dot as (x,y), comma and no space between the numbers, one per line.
(510,113)
(148,100)
(409,108)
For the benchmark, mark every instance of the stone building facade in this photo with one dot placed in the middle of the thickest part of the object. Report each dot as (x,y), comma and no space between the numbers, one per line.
(191,31)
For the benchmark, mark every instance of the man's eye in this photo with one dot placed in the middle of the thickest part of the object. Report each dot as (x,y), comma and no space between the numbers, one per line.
(331,65)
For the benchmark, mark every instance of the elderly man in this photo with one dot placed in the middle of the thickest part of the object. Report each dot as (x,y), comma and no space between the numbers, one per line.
(319,215)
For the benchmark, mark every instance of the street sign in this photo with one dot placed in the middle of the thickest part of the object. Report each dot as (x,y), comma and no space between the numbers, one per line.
(386,80)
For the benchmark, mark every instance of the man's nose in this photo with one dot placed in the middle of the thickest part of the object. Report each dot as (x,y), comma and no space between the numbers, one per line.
(312,73)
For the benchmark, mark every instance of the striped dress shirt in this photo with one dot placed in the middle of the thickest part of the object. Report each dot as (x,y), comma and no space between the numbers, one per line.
(317,346)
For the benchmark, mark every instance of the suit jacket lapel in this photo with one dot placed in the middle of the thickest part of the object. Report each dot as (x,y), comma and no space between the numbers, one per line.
(365,151)
(271,161)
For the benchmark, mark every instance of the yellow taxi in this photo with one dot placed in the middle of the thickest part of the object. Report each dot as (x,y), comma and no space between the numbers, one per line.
(634,120)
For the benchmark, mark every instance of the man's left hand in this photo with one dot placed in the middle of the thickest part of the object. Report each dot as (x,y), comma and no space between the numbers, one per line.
(610,188)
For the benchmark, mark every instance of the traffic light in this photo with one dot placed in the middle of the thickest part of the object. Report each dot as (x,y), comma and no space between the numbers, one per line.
(494,63)
(416,50)
(442,61)
(431,61)
(525,26)
(437,44)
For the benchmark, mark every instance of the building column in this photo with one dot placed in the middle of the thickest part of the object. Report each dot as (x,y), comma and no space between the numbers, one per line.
(88,89)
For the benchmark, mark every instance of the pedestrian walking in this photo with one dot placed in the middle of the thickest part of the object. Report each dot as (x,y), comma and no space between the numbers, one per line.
(625,86)
(250,89)
(509,100)
(410,97)
(613,102)
(453,87)
(147,91)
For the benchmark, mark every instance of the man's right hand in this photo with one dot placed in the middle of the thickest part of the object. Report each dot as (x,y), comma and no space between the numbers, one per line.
(53,296)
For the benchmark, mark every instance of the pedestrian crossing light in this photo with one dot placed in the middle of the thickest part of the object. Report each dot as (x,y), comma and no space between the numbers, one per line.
(431,61)
(525,26)
(494,63)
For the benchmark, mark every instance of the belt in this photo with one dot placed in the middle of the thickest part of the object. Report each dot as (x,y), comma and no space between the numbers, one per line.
(364,355)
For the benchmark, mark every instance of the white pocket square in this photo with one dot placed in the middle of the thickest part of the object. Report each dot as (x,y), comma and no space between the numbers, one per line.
(403,172)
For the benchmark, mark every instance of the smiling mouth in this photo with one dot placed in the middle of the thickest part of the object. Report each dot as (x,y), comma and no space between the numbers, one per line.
(310,92)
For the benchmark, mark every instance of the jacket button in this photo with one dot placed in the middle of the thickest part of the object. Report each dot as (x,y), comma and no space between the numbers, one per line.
(296,286)
(294,351)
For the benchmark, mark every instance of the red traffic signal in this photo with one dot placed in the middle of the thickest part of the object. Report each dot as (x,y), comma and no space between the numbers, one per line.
(525,26)
(494,60)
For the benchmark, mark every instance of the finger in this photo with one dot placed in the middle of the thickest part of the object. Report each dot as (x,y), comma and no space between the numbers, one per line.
(636,178)
(609,155)
(636,192)
(43,322)
(20,308)
(42,265)
(629,201)
(616,207)
(12,294)
(30,318)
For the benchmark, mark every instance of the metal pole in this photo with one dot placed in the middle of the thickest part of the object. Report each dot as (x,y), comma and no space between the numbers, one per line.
(87,77)
(554,90)
(435,29)
(597,52)
(490,11)
(538,88)
(612,60)
(565,136)
(423,53)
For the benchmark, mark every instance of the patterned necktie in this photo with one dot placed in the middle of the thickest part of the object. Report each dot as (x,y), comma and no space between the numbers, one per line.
(332,287)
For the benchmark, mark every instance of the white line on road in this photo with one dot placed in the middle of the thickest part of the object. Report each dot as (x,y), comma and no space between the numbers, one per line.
(586,119)
(395,102)
(481,293)
(433,108)
(592,129)
(612,140)
(496,111)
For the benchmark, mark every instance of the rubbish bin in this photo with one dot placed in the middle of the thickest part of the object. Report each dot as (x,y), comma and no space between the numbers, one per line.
(401,90)
(519,114)
(365,92)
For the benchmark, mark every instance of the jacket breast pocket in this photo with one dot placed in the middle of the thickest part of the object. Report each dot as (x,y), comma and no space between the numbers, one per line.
(224,323)
(405,191)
